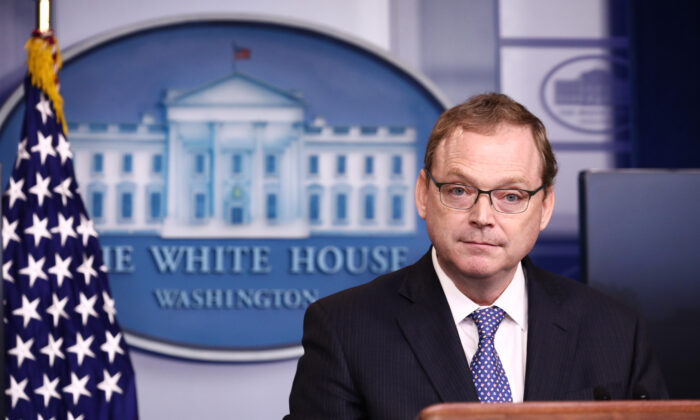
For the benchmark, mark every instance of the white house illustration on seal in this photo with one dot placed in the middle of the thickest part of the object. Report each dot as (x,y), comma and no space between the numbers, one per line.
(235,158)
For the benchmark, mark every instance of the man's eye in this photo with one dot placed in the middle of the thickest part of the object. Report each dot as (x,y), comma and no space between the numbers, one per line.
(456,190)
(510,197)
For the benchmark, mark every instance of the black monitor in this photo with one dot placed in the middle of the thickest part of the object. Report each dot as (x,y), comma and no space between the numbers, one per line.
(640,243)
(2,309)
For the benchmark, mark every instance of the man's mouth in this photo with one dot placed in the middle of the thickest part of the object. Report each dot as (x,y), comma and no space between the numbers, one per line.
(480,243)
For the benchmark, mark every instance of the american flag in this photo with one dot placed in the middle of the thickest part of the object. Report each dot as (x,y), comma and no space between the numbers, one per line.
(241,53)
(65,355)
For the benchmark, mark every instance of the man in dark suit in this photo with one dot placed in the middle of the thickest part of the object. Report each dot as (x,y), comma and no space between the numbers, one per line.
(474,319)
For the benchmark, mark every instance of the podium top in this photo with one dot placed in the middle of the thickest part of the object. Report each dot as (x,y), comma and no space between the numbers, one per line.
(589,410)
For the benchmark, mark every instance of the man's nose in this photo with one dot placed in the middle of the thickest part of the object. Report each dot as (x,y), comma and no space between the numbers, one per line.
(481,213)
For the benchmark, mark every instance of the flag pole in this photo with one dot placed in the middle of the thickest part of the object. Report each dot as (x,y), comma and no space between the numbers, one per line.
(235,48)
(43,15)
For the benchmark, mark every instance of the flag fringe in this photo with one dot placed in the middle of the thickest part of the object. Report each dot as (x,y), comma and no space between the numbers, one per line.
(43,66)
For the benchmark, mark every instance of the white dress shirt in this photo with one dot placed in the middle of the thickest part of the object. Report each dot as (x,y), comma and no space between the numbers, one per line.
(511,338)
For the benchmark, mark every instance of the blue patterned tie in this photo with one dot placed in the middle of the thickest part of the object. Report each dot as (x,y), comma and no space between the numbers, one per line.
(489,377)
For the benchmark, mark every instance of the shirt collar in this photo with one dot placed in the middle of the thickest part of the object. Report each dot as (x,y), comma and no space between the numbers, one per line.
(513,300)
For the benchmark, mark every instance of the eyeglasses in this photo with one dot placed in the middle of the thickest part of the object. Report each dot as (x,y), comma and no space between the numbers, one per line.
(463,197)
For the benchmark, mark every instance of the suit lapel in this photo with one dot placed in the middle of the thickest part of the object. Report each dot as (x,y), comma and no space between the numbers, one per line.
(429,328)
(552,335)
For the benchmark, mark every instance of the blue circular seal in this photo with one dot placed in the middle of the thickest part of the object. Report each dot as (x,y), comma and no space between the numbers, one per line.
(588,94)
(237,170)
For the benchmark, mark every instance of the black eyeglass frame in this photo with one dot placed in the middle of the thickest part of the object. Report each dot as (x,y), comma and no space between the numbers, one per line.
(439,186)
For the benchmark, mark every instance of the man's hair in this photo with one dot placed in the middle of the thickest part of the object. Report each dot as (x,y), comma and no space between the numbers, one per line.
(483,114)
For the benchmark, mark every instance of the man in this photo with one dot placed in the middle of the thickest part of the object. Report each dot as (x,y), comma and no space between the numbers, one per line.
(474,319)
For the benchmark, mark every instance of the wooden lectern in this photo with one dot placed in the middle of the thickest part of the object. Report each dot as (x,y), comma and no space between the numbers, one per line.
(593,410)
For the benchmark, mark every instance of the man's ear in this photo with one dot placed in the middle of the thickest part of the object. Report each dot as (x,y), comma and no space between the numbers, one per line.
(421,193)
(547,207)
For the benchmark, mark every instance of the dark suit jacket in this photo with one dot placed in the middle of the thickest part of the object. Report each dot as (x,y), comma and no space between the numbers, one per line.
(389,348)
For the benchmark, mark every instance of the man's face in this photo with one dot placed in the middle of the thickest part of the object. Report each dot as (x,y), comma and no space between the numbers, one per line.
(481,243)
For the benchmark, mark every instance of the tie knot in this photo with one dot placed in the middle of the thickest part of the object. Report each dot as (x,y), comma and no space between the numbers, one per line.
(487,320)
